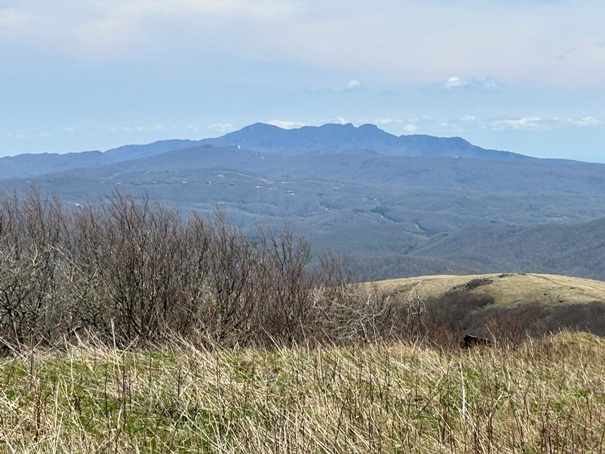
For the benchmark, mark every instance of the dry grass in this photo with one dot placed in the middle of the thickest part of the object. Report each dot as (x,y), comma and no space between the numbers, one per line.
(544,396)
(507,289)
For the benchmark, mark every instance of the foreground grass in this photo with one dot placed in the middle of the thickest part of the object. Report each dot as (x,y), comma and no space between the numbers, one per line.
(545,396)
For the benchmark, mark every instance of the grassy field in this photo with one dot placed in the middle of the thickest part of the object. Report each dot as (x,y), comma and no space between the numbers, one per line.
(543,396)
(506,289)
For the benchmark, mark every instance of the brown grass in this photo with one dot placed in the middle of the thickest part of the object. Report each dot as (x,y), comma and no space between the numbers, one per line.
(545,396)
(506,289)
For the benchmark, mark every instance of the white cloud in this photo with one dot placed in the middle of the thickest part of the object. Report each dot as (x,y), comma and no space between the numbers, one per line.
(223,128)
(352,85)
(513,40)
(520,124)
(584,121)
(486,84)
(407,126)
(286,124)
(400,125)
(11,20)
(454,82)
(539,124)
(30,133)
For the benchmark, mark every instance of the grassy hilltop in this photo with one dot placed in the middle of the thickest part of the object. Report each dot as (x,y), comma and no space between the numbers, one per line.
(503,306)
(506,289)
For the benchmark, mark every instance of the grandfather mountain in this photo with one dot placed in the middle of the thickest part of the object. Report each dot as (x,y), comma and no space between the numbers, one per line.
(395,206)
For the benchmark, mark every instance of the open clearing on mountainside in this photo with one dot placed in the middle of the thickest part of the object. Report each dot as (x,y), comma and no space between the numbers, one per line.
(506,289)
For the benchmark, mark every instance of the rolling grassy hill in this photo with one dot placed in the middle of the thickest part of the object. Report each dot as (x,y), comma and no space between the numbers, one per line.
(500,306)
(506,289)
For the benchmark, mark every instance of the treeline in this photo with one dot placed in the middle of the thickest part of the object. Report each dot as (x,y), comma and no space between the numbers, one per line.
(125,271)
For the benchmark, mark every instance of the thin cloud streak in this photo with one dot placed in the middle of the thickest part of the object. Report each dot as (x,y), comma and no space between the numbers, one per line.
(525,123)
(488,84)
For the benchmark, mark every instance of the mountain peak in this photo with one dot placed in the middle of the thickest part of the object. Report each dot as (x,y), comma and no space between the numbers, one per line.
(259,127)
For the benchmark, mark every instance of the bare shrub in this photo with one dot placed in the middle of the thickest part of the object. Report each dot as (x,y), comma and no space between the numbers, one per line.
(580,317)
(457,309)
(286,290)
(131,253)
(478,282)
(31,231)
(515,324)
(228,293)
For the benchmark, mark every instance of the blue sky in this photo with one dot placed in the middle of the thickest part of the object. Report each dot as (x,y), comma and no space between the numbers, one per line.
(519,75)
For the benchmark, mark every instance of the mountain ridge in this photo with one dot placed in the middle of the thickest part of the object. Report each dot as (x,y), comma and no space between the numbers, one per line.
(262,137)
(336,137)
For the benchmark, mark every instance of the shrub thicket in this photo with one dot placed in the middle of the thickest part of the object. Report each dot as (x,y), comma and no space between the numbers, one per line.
(127,270)
(462,311)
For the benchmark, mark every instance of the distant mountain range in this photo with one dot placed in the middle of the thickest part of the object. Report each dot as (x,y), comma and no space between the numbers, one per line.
(263,138)
(397,206)
(31,165)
